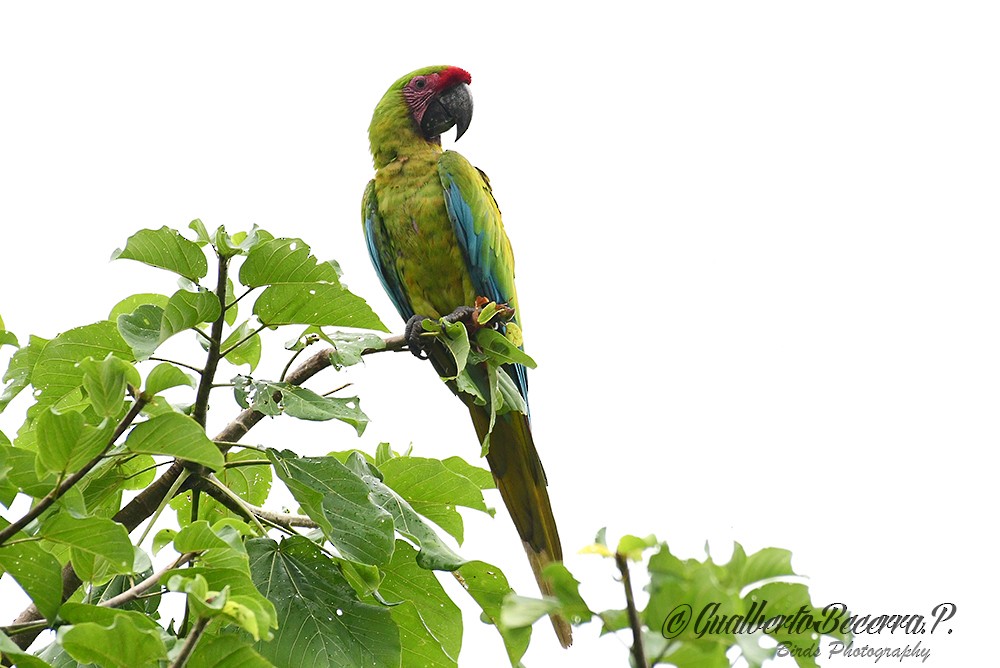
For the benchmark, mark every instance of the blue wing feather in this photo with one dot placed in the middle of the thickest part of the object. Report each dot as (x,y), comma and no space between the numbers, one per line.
(381,254)
(480,240)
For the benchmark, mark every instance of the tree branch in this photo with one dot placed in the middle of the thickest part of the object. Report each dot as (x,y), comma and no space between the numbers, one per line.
(638,654)
(190,642)
(200,411)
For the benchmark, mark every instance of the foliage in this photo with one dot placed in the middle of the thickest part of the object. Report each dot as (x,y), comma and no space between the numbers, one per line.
(354,580)
(354,574)
(697,611)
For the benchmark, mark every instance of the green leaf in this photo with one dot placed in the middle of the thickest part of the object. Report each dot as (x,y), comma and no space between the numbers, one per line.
(226,651)
(167,249)
(430,624)
(18,373)
(500,350)
(523,611)
(771,562)
(279,261)
(7,338)
(248,352)
(106,382)
(488,587)
(272,398)
(19,656)
(187,309)
(337,499)
(66,443)
(130,304)
(103,487)
(37,571)
(434,490)
(321,622)
(96,545)
(566,590)
(121,645)
(632,547)
(434,553)
(175,435)
(141,329)
(480,477)
(57,371)
(149,325)
(164,376)
(202,237)
(348,347)
(320,304)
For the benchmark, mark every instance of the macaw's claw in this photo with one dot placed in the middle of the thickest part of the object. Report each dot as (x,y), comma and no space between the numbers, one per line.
(414,328)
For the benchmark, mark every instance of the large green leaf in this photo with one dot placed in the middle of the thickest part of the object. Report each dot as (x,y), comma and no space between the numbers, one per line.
(57,371)
(123,644)
(434,490)
(320,304)
(337,499)
(430,624)
(321,622)
(96,545)
(488,587)
(434,552)
(66,443)
(37,571)
(131,303)
(175,435)
(149,325)
(164,376)
(285,261)
(167,249)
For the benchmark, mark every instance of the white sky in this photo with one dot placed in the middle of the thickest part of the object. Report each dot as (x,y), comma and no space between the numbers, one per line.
(756,255)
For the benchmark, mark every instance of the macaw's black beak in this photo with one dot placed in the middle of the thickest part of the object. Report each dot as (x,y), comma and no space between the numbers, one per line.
(452,108)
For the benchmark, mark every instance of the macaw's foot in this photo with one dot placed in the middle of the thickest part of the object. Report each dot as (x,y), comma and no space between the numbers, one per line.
(414,328)
(463,314)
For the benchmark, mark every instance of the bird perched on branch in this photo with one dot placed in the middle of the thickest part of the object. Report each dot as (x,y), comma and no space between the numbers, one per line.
(435,237)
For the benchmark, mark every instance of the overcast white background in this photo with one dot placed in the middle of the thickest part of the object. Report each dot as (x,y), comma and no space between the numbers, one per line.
(756,256)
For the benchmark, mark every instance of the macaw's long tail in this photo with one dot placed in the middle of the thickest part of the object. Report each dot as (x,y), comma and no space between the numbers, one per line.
(521,480)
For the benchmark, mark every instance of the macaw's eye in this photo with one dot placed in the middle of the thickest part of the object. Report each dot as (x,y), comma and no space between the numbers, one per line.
(420,83)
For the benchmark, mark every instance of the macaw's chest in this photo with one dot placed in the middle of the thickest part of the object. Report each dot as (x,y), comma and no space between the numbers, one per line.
(428,259)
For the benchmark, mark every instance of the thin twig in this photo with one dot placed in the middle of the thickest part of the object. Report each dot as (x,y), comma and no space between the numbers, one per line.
(183,364)
(284,372)
(247,462)
(243,340)
(638,654)
(337,389)
(237,300)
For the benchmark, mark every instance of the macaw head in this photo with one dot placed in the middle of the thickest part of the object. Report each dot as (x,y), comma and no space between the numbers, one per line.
(423,104)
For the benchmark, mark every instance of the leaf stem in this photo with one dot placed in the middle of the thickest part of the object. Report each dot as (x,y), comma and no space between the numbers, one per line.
(186,366)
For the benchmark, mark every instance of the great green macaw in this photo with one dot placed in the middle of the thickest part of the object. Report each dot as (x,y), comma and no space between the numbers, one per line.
(435,237)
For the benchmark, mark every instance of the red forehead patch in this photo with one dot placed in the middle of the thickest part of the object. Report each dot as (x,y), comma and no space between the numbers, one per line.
(452,76)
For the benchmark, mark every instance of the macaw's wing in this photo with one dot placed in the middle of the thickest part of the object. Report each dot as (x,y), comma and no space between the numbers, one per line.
(382,254)
(475,217)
